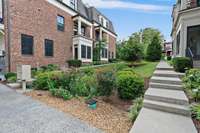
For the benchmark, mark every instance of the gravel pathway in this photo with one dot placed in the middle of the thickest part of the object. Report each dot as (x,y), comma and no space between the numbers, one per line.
(21,114)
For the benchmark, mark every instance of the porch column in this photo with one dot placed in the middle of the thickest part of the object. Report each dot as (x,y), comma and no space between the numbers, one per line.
(79,26)
(91,31)
(101,34)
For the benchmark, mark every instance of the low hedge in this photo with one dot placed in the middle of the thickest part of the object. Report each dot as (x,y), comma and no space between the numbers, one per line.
(74,63)
(181,64)
(129,85)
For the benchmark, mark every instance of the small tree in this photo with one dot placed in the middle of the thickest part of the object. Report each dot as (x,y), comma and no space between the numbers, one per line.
(154,50)
(97,50)
(131,51)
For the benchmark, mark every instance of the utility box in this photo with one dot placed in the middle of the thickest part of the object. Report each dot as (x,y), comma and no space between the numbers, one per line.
(24,72)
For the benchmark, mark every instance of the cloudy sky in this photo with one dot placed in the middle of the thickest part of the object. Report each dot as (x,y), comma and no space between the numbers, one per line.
(130,16)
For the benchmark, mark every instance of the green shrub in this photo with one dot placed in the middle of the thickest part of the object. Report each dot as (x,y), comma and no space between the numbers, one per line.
(181,64)
(169,58)
(192,83)
(112,60)
(196,111)
(12,79)
(129,85)
(154,50)
(135,109)
(74,63)
(52,67)
(10,75)
(88,71)
(43,78)
(106,82)
(83,85)
(61,93)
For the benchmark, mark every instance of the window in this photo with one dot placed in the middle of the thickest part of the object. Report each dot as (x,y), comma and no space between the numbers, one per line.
(60,23)
(88,52)
(48,47)
(198,2)
(112,55)
(178,43)
(83,51)
(26,44)
(107,24)
(83,30)
(104,53)
(73,4)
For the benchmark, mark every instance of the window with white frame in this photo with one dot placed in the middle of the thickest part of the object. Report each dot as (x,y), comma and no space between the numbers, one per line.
(73,4)
(104,53)
(86,52)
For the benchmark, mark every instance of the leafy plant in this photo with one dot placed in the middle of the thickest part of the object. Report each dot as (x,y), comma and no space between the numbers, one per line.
(131,51)
(129,85)
(43,78)
(196,111)
(106,82)
(181,64)
(154,50)
(74,63)
(135,109)
(10,74)
(192,83)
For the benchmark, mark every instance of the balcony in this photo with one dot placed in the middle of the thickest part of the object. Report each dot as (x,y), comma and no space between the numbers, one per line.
(82,40)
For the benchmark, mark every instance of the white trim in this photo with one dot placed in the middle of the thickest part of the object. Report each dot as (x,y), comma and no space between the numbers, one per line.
(107,31)
(82,20)
(1,27)
(63,7)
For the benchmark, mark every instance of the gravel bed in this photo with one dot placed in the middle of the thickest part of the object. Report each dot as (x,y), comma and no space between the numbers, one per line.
(106,117)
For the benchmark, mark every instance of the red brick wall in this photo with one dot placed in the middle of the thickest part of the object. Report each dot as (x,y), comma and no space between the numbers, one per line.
(38,18)
(112,45)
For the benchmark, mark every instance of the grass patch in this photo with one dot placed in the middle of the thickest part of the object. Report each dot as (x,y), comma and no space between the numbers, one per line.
(147,69)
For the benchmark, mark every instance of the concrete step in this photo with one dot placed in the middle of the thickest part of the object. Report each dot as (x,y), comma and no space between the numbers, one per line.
(166,80)
(168,96)
(154,121)
(167,107)
(166,86)
(167,73)
(164,66)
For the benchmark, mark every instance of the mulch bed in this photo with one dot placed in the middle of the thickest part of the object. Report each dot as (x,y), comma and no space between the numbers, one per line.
(106,117)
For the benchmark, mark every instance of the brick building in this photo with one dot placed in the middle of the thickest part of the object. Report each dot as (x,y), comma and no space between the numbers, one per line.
(42,32)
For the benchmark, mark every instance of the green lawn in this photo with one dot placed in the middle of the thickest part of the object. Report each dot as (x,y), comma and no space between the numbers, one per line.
(143,68)
(147,69)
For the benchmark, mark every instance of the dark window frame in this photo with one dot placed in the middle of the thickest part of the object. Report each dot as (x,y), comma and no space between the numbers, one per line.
(89,52)
(83,51)
(24,48)
(46,48)
(60,26)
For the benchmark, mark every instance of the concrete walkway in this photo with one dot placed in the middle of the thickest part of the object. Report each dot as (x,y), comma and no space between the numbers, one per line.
(166,107)
(21,114)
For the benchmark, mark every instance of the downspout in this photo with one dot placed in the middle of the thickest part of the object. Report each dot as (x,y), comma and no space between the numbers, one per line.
(8,33)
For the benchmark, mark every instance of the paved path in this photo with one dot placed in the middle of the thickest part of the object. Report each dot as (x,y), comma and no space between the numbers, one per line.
(166,107)
(21,114)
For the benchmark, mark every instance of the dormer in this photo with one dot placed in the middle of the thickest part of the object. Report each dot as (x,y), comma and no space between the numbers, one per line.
(71,3)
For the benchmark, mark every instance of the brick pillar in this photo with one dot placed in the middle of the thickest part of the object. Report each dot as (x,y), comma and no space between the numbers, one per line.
(193,3)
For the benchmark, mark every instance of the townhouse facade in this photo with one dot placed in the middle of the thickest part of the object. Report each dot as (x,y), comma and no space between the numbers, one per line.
(42,32)
(186,30)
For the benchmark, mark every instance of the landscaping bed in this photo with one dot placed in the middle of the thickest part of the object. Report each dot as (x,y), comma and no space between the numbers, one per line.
(117,88)
(192,89)
(107,117)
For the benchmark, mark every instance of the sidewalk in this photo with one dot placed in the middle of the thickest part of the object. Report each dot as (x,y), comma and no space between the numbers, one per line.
(165,106)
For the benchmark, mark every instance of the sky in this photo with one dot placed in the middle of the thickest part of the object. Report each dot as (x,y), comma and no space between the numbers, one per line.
(129,16)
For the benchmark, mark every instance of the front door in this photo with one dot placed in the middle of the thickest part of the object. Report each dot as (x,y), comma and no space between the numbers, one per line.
(194,41)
